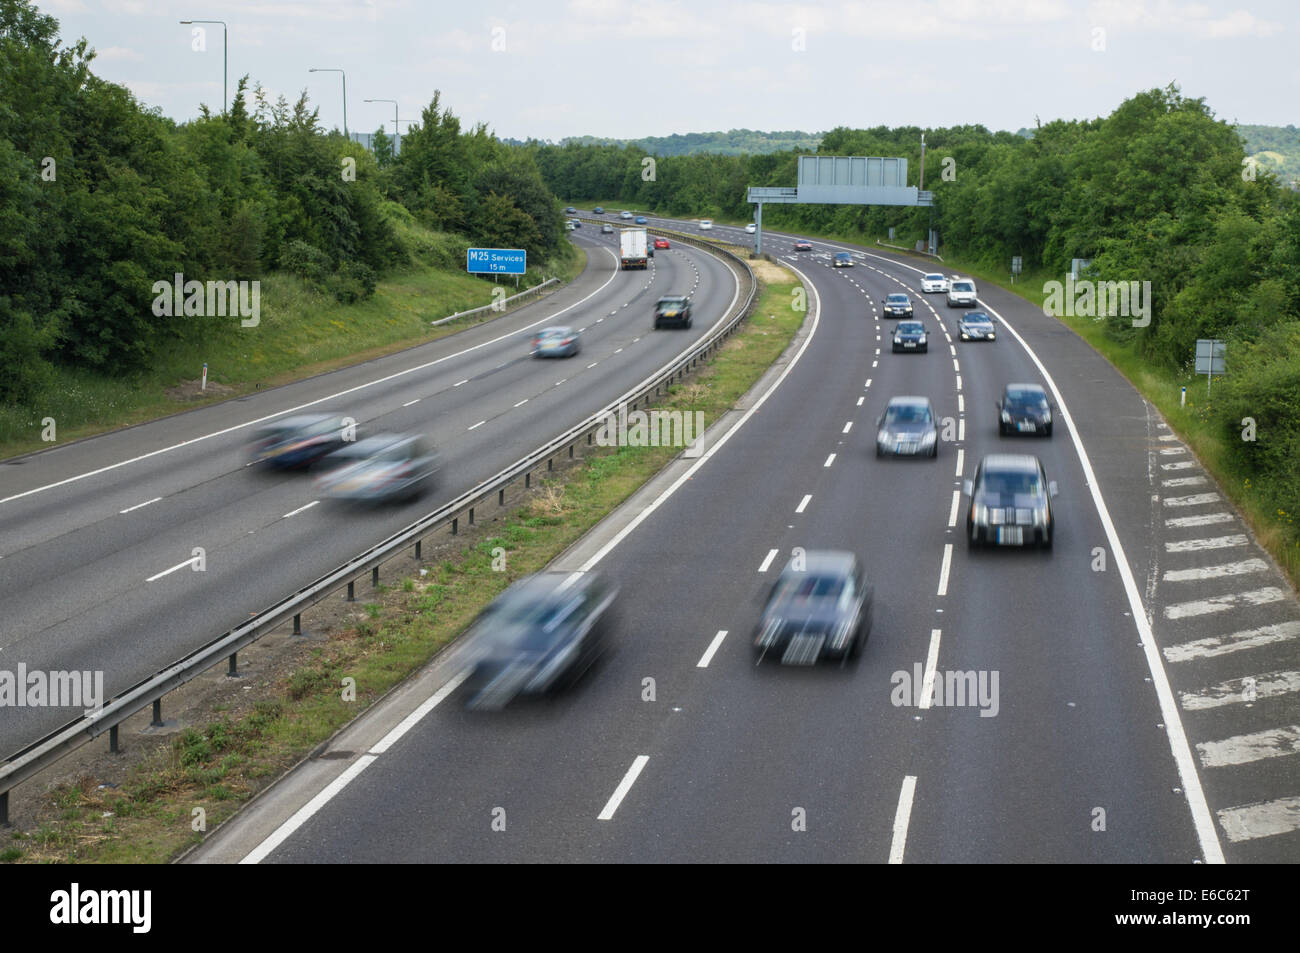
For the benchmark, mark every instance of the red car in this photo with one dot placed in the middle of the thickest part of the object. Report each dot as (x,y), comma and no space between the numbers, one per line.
(661,243)
(803,245)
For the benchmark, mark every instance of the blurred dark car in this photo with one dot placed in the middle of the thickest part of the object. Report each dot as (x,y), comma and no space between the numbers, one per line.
(378,469)
(907,428)
(1010,502)
(897,306)
(570,210)
(298,441)
(842,259)
(1024,408)
(538,636)
(598,210)
(675,309)
(821,609)
(557,342)
(910,336)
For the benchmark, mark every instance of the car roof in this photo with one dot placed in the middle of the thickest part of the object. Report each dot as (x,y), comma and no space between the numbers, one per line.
(896,294)
(907,401)
(555,330)
(934,274)
(379,441)
(1034,387)
(826,560)
(673,298)
(1011,462)
(977,316)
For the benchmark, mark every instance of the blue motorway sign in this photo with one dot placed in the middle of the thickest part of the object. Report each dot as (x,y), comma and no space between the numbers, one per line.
(496,261)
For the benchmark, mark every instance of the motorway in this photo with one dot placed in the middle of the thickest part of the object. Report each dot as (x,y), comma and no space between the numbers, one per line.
(98,535)
(1124,729)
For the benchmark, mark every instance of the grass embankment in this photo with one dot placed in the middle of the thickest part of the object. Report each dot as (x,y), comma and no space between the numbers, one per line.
(147,818)
(302,332)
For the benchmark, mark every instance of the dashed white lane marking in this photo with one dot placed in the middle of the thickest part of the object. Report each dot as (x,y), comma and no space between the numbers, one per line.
(931,666)
(829,460)
(961,458)
(868,383)
(479,424)
(961,403)
(847,427)
(458,383)
(1196,499)
(860,400)
(803,503)
(898,845)
(1238,691)
(961,428)
(560,381)
(168,572)
(1261,819)
(1199,545)
(1172,451)
(1216,572)
(767,560)
(1219,645)
(959,382)
(592,364)
(1184,481)
(875,363)
(300,509)
(1235,600)
(713,647)
(1182,465)
(1205,519)
(952,513)
(1256,746)
(522,402)
(139,505)
(955,366)
(410,402)
(618,350)
(943,570)
(624,786)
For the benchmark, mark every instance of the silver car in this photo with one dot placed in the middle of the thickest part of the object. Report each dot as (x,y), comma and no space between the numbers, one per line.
(977,326)
(387,466)
(907,428)
(557,342)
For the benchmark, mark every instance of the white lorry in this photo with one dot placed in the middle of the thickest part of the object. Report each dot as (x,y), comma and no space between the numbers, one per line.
(633,248)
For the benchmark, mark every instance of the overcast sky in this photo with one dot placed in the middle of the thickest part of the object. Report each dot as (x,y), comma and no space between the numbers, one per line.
(630,68)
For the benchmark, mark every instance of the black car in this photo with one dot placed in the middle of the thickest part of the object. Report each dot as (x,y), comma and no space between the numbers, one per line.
(842,260)
(819,607)
(1010,502)
(898,306)
(1024,408)
(910,336)
(907,428)
(538,636)
(299,442)
(378,469)
(675,309)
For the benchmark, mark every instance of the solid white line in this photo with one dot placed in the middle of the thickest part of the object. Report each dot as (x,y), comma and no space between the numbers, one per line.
(829,460)
(623,787)
(479,424)
(961,458)
(901,817)
(1216,572)
(1206,519)
(713,647)
(847,427)
(1262,819)
(1233,691)
(168,572)
(952,513)
(138,505)
(1256,746)
(1218,645)
(803,503)
(767,561)
(943,570)
(410,402)
(426,706)
(299,510)
(931,666)
(312,403)
(1200,545)
(1235,600)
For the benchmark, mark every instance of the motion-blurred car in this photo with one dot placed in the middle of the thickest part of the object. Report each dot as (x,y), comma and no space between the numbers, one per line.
(625,214)
(802,244)
(387,466)
(575,223)
(977,326)
(640,220)
(661,243)
(910,336)
(538,636)
(819,607)
(568,226)
(706,224)
(907,428)
(962,293)
(607,229)
(842,259)
(298,441)
(598,210)
(675,309)
(1024,408)
(1010,502)
(570,210)
(557,342)
(751,228)
(930,284)
(897,306)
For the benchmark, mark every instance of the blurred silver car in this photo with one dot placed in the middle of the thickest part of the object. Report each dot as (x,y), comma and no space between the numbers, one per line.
(819,607)
(1010,502)
(557,342)
(977,326)
(907,428)
(387,466)
(298,442)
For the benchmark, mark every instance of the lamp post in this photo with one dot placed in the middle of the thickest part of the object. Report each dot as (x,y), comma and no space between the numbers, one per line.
(225,48)
(332,69)
(396,132)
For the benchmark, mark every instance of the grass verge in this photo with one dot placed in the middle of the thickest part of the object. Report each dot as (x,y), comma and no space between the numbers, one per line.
(148,816)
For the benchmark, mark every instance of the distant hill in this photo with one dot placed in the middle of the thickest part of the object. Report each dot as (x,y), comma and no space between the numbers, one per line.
(1276,148)
(731,143)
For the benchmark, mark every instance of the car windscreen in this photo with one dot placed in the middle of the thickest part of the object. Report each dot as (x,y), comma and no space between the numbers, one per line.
(907,414)
(1027,398)
(963,286)
(897,299)
(802,585)
(911,328)
(934,277)
(1011,483)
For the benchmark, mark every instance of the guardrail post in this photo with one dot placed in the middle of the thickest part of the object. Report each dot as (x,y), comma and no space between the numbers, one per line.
(233,670)
(297,623)
(471,516)
(570,451)
(528,480)
(112,741)
(4,808)
(157,714)
(455,525)
(589,438)
(501,497)
(352,596)
(374,577)
(550,464)
(418,544)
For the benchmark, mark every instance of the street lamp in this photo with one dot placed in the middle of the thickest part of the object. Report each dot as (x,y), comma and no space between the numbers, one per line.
(330,69)
(396,132)
(224,50)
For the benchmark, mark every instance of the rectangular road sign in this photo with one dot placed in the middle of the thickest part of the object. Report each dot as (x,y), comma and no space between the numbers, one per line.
(496,261)
(1210,356)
